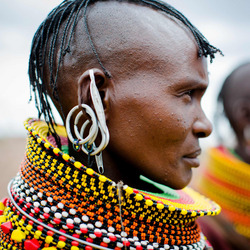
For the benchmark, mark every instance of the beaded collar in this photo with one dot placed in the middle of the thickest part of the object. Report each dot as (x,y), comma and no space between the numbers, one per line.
(58,203)
(227,180)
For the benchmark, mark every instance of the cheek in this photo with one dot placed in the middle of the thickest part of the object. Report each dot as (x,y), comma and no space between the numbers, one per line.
(151,118)
(174,125)
(124,123)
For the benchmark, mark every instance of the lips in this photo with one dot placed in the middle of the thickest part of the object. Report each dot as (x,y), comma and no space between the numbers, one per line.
(191,159)
(194,154)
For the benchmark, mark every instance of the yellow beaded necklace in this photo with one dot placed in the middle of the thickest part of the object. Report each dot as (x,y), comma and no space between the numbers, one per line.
(56,202)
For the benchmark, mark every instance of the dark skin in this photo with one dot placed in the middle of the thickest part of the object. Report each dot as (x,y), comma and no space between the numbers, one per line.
(151,102)
(237,109)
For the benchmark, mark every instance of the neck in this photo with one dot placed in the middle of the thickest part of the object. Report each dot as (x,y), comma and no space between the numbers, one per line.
(115,168)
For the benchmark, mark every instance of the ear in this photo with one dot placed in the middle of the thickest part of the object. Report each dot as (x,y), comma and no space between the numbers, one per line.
(103,84)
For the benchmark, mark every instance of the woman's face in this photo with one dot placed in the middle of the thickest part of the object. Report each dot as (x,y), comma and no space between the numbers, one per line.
(155,118)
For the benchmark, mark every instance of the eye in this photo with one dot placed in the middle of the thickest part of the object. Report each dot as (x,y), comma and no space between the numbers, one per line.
(188,95)
(189,92)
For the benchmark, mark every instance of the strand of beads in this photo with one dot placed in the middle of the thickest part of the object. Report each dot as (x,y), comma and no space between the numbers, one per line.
(58,202)
(173,232)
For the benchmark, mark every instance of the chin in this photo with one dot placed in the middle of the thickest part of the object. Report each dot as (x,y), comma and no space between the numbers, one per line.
(178,184)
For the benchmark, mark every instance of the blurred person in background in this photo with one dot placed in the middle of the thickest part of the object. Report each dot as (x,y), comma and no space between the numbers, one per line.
(226,171)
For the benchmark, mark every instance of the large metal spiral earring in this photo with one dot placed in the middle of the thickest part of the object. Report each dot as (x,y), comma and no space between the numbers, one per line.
(87,144)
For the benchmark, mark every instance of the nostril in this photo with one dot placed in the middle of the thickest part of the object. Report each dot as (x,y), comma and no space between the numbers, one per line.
(202,127)
(201,135)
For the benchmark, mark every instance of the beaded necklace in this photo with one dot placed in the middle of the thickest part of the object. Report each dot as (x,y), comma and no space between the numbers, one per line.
(227,181)
(58,203)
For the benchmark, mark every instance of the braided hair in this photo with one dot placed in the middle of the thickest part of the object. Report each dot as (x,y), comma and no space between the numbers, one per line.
(64,19)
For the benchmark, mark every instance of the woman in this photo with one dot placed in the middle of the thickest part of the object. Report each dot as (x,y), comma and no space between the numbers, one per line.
(127,77)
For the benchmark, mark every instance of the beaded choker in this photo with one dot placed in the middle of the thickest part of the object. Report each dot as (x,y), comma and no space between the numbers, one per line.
(58,203)
(227,181)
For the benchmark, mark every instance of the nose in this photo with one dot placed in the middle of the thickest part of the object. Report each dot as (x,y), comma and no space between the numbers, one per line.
(202,127)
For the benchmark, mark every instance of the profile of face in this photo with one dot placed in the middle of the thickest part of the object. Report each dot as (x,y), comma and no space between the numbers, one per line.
(157,120)
(152,102)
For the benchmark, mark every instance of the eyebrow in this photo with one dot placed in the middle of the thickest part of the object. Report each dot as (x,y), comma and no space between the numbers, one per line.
(191,83)
(199,84)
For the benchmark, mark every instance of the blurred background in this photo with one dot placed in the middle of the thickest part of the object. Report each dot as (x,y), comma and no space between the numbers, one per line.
(226,24)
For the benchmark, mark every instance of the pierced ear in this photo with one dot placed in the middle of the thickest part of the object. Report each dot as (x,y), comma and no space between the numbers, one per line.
(102,83)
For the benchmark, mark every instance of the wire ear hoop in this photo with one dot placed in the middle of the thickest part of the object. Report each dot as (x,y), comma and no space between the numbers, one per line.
(96,150)
(93,129)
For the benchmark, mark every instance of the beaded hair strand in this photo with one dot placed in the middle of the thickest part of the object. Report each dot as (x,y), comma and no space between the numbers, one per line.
(47,35)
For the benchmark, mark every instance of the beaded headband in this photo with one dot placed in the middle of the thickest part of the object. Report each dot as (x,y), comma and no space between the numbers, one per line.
(59,203)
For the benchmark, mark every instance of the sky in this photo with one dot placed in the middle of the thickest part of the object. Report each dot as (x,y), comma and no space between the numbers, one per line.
(226,24)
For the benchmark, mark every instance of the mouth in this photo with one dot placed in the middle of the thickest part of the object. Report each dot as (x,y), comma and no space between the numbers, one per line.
(192,159)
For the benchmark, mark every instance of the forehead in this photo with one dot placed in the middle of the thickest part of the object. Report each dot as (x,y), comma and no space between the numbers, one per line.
(135,35)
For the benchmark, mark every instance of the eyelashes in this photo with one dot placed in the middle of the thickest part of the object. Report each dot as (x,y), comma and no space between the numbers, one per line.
(187,95)
(189,92)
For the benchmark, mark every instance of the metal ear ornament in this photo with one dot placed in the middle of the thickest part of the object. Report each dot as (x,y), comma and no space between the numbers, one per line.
(98,124)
